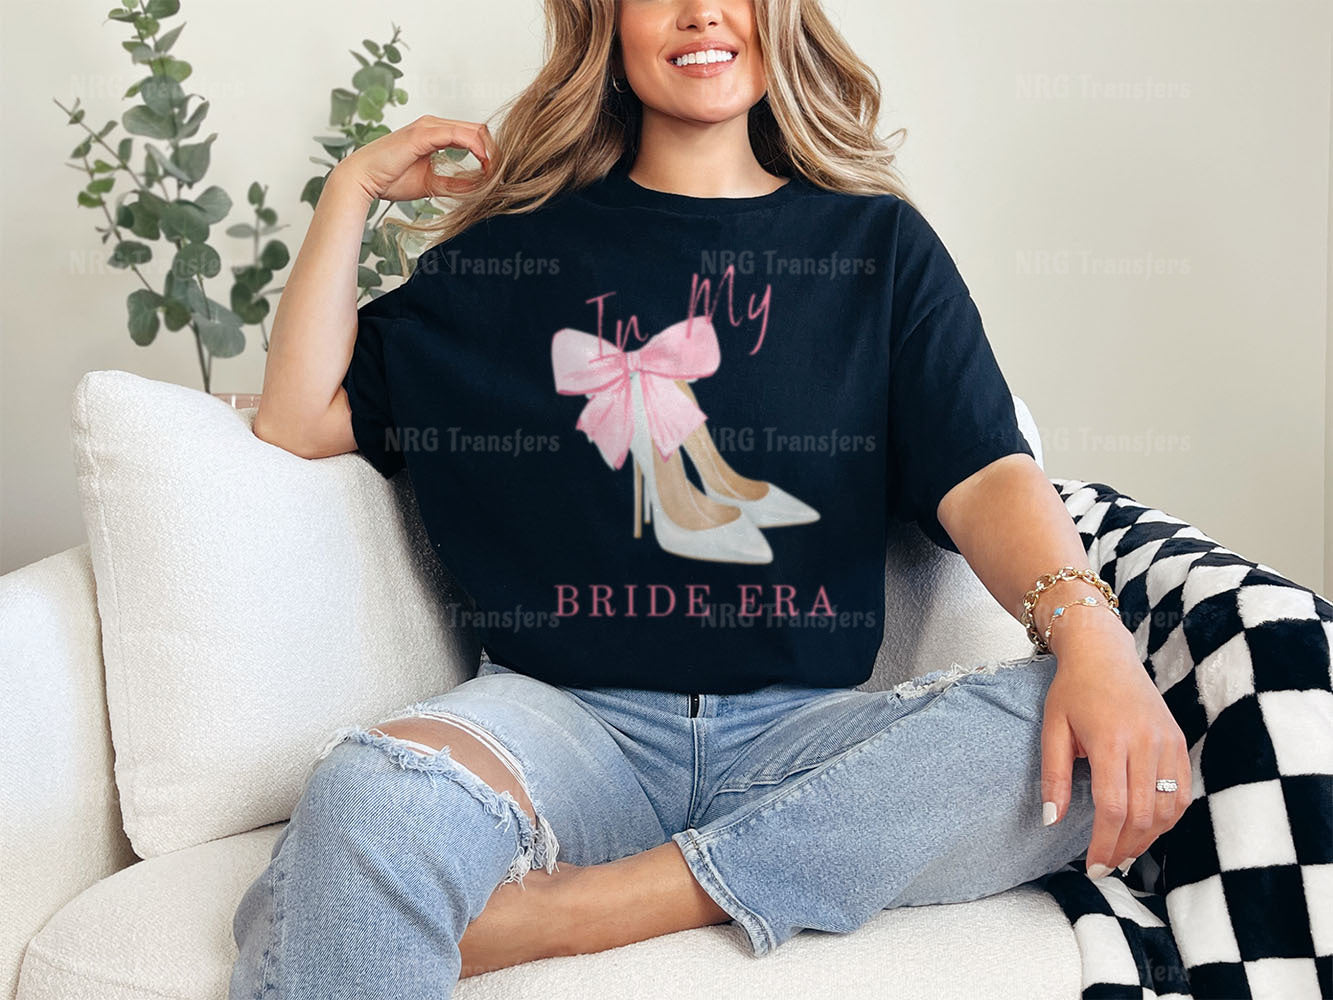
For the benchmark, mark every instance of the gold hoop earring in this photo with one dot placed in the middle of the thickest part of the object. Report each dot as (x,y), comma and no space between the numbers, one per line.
(618,90)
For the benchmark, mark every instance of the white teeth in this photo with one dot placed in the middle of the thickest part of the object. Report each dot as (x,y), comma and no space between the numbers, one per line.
(706,56)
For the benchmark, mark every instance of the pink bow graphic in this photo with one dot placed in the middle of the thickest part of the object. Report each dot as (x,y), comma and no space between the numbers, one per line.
(586,364)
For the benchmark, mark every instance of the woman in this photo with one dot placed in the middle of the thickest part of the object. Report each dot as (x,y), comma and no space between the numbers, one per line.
(686,219)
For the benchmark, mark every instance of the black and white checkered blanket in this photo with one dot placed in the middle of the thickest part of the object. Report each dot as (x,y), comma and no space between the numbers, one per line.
(1236,900)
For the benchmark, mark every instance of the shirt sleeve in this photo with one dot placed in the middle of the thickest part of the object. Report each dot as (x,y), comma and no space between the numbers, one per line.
(951,412)
(367,381)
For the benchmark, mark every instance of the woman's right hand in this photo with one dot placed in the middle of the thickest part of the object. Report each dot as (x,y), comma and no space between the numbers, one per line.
(397,166)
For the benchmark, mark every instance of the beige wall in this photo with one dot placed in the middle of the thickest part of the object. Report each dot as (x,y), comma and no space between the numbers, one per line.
(1046,142)
(1328,362)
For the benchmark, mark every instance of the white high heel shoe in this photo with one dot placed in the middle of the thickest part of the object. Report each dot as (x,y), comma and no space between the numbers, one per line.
(739,540)
(774,509)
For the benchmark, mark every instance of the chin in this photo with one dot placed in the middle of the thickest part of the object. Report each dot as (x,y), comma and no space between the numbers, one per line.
(709,114)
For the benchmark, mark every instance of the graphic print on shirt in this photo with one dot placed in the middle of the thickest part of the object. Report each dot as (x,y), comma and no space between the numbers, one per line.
(641,403)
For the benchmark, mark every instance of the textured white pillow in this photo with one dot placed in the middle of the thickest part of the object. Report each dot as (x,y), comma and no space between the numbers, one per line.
(251,602)
(937,612)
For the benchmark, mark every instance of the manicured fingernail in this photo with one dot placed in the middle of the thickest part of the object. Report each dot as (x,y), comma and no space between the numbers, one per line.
(1124,866)
(1098,870)
(1048,813)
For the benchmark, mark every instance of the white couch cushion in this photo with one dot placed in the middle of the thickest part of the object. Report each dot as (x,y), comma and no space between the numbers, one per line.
(251,602)
(163,928)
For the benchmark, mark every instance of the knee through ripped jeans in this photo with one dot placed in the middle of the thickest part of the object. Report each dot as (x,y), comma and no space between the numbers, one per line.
(794,807)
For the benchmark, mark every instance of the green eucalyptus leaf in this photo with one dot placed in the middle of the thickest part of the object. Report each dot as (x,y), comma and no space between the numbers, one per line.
(163,8)
(378,75)
(90,200)
(145,121)
(193,159)
(153,203)
(163,95)
(246,305)
(369,109)
(191,124)
(125,149)
(267,216)
(274,255)
(177,69)
(367,277)
(165,42)
(342,105)
(312,190)
(379,241)
(221,339)
(106,128)
(117,14)
(215,202)
(100,186)
(175,314)
(124,216)
(81,150)
(335,151)
(359,57)
(255,194)
(392,54)
(130,252)
(143,304)
(144,221)
(371,47)
(139,52)
(241,231)
(253,277)
(167,166)
(184,220)
(221,313)
(186,292)
(399,95)
(195,259)
(102,167)
(145,24)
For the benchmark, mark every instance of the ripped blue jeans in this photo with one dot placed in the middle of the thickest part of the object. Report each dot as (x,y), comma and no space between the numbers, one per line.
(794,807)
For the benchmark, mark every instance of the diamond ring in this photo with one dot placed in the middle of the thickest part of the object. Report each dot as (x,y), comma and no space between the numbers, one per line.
(1166,784)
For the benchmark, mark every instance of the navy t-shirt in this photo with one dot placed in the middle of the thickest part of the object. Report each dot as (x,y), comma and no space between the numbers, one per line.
(656,438)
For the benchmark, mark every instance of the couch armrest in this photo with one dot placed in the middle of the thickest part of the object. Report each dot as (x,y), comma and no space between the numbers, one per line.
(60,823)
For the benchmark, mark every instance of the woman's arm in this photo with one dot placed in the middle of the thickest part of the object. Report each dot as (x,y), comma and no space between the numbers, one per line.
(314,329)
(1011,526)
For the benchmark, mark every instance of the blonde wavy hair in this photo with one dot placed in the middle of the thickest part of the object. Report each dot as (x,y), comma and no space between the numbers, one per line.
(570,126)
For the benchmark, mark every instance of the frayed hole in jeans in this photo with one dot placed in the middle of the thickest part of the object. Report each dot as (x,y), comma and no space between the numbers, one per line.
(537,842)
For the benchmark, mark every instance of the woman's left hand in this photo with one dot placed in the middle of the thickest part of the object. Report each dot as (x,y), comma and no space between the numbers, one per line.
(1103,705)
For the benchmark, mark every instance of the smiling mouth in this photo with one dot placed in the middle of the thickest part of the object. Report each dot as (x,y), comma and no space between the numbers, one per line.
(705,57)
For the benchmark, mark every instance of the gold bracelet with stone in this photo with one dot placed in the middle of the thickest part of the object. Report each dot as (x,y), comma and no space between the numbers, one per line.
(1044,583)
(1058,613)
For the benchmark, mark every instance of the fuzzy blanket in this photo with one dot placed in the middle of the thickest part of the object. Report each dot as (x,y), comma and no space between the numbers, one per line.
(1236,900)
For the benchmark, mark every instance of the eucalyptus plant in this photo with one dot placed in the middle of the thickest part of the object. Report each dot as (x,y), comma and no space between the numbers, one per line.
(358,115)
(159,206)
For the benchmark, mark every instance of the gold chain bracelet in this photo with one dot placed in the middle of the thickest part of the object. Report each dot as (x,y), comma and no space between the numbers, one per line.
(1044,583)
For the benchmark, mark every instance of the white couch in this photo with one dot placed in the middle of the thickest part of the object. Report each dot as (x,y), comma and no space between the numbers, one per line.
(167,683)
